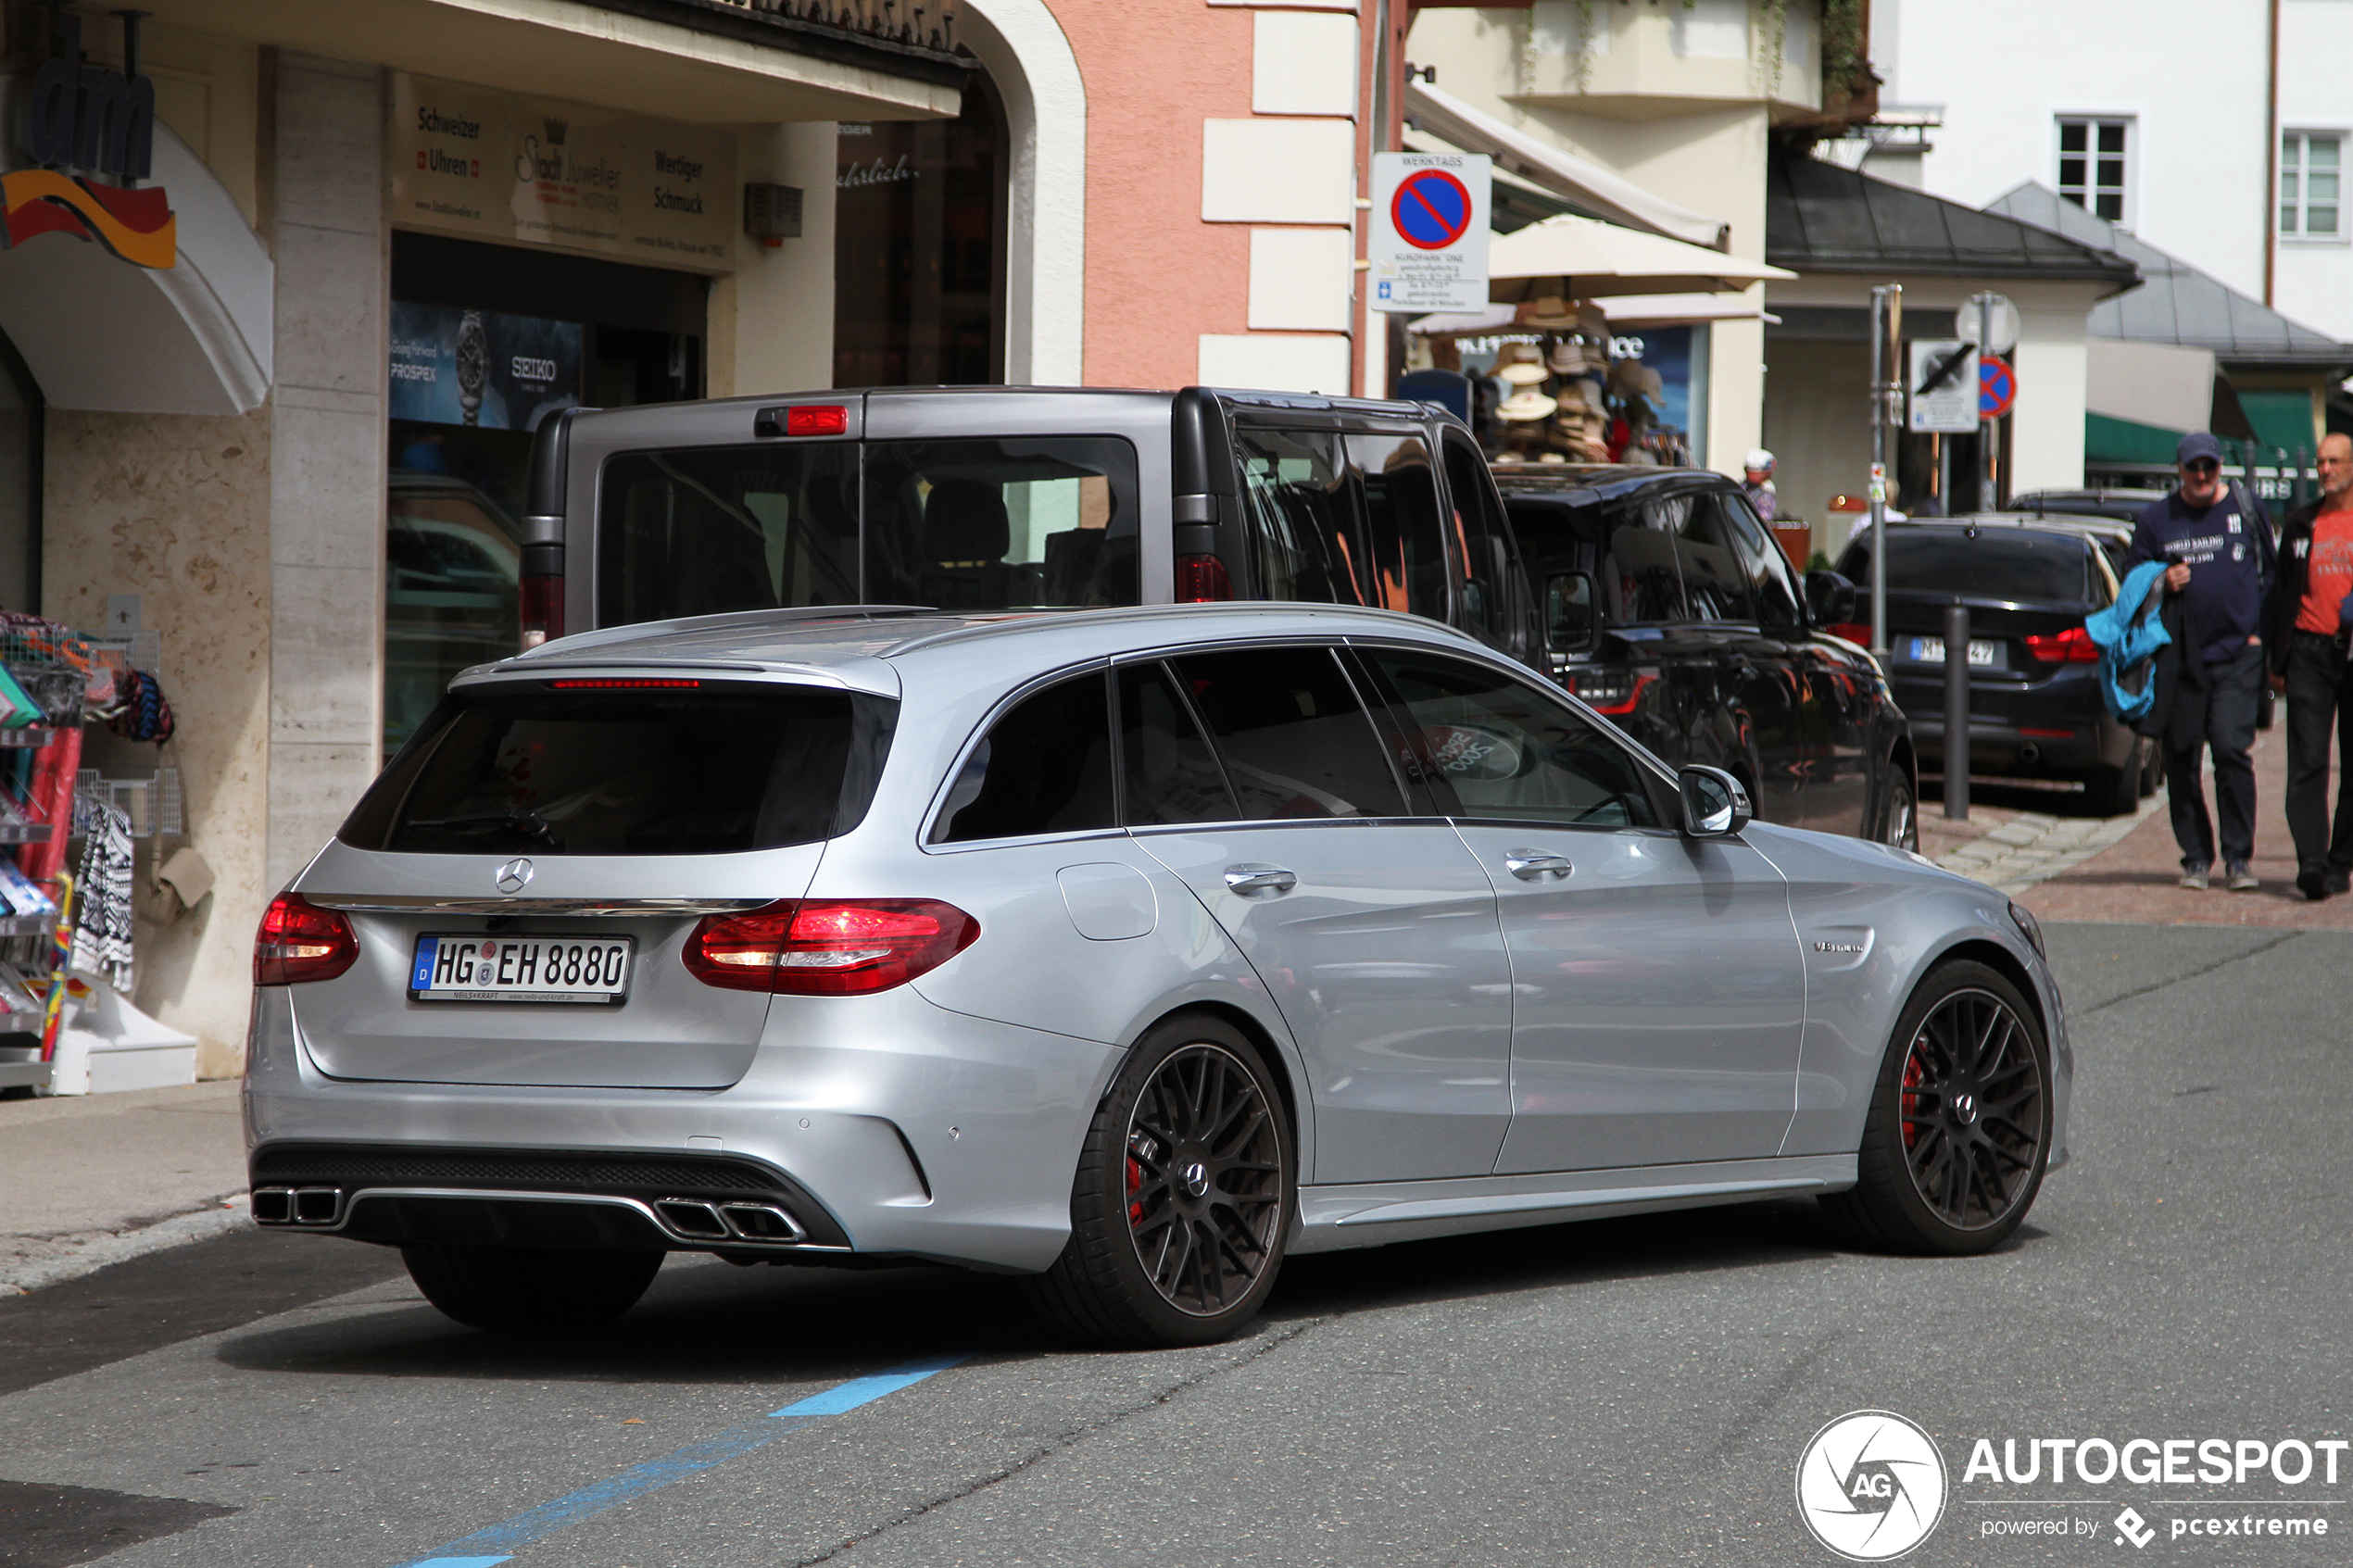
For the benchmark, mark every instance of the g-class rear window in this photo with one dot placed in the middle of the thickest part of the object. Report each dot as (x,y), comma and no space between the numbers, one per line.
(656,765)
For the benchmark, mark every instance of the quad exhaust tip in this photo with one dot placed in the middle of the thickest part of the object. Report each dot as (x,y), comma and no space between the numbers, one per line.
(697,1220)
(297,1206)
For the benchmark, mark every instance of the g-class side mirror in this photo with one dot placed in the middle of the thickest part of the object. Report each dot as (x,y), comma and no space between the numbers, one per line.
(1715,805)
(1830,598)
(1571,624)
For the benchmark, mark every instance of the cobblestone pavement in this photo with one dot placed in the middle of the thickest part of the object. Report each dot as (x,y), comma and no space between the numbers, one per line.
(2014,848)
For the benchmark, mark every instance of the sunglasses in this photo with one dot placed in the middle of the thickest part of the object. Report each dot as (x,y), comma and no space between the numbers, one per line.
(2203,465)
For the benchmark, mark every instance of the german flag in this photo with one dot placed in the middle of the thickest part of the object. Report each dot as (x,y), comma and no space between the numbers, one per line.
(135,225)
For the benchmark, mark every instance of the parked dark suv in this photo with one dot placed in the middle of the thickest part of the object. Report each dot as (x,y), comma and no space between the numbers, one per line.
(982,498)
(1668,605)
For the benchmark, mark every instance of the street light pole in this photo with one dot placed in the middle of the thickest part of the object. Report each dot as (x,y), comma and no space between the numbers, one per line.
(1887,396)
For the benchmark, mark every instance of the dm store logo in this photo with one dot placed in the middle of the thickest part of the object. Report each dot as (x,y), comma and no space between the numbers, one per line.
(1870,1486)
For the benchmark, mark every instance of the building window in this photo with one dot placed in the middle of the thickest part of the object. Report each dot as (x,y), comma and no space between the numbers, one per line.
(2310,163)
(2091,164)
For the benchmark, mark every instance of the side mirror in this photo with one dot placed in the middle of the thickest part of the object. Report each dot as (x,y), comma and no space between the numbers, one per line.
(1571,624)
(1715,805)
(1830,598)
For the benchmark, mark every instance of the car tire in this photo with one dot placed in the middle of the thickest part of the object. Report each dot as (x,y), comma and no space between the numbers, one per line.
(1959,1124)
(1189,1156)
(526,1289)
(1899,814)
(2112,792)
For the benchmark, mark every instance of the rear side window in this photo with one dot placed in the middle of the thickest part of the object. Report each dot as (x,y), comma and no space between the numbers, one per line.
(705,529)
(1510,753)
(1406,540)
(1483,544)
(1768,573)
(1717,584)
(1639,579)
(703,768)
(1044,767)
(1168,774)
(1295,740)
(1001,524)
(1301,521)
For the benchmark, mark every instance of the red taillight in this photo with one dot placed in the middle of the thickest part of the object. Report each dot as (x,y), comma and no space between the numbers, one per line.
(623,684)
(1857,631)
(1615,692)
(299,941)
(543,607)
(1201,580)
(823,419)
(827,947)
(2073,645)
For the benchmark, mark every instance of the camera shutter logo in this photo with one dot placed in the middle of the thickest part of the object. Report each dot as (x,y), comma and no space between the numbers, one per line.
(1872,1485)
(514,876)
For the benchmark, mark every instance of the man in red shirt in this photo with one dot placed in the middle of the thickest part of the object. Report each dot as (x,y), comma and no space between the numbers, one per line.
(2308,627)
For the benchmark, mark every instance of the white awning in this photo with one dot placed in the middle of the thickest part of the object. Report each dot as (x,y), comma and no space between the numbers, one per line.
(1588,184)
(1591,259)
(2148,384)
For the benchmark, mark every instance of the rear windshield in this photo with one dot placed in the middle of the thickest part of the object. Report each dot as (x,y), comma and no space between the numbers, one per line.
(1998,564)
(700,769)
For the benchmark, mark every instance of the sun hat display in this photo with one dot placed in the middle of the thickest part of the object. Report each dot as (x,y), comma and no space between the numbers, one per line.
(1522,373)
(1572,356)
(1525,405)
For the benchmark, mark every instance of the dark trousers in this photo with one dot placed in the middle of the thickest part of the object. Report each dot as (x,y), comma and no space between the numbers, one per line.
(2319,698)
(2233,686)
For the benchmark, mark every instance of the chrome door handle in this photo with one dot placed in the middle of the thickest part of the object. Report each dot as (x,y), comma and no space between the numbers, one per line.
(1534,865)
(1260,879)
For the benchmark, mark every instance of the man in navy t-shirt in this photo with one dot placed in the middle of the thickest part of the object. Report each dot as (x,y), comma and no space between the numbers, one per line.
(2222,556)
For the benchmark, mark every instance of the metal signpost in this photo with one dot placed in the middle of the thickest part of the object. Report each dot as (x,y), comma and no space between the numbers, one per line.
(1990,320)
(1427,249)
(1944,383)
(1887,396)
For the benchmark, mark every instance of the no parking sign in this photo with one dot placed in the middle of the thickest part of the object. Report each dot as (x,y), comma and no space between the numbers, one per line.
(1428,242)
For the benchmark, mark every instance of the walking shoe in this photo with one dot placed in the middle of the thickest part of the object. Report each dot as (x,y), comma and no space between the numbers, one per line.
(2245,881)
(2312,883)
(2193,878)
(2339,883)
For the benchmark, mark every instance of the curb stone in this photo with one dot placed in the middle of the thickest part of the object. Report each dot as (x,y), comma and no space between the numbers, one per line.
(2034,847)
(96,1250)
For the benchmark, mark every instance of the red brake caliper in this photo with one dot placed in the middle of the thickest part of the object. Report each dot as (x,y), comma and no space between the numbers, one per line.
(1135,1186)
(1911,1100)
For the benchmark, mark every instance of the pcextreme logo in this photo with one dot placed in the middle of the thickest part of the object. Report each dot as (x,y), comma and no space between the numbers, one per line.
(1872,1485)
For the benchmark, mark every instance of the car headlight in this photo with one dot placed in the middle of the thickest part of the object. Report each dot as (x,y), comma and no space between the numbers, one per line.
(2031,928)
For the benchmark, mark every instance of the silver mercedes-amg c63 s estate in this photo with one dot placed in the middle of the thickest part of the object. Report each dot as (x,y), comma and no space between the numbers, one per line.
(1125,950)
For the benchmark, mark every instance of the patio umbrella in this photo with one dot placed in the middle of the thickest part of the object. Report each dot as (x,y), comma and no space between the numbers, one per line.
(1585,259)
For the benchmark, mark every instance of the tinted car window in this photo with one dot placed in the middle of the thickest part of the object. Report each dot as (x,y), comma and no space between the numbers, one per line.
(1509,752)
(706,768)
(1295,740)
(1637,576)
(1301,521)
(1483,544)
(1405,547)
(1167,772)
(1768,573)
(1044,767)
(699,531)
(1998,564)
(1010,524)
(1716,584)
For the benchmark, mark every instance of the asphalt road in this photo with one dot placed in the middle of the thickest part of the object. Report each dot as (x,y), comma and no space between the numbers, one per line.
(1630,1393)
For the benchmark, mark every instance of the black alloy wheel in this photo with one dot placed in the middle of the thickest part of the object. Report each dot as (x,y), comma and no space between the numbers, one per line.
(1959,1127)
(1900,816)
(526,1290)
(1204,1164)
(1183,1198)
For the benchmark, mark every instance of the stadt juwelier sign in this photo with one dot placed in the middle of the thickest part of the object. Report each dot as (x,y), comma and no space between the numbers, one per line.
(69,114)
(470,161)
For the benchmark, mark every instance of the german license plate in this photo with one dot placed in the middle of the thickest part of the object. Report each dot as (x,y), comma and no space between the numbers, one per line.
(494,968)
(1983,654)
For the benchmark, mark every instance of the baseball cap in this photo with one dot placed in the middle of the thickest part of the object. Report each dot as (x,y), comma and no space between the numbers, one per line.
(2197,445)
(1760,459)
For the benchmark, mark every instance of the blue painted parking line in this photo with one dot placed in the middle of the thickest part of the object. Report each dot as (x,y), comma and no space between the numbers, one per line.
(501,1541)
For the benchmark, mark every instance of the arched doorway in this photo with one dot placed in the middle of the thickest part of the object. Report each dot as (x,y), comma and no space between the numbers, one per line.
(919,248)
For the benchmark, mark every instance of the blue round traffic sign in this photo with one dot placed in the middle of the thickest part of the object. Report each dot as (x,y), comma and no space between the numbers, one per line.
(1431,209)
(1996,388)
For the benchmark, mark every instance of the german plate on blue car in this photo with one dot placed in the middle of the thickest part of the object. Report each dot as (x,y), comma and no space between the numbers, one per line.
(520,968)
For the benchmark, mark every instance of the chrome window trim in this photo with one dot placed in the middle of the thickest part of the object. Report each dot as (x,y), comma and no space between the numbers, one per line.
(931,825)
(409,904)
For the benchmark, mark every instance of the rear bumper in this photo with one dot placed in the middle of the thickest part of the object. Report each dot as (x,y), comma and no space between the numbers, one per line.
(2057,730)
(903,1130)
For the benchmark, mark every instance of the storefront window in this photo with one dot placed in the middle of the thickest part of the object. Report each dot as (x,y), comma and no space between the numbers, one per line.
(487,342)
(19,483)
(919,224)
